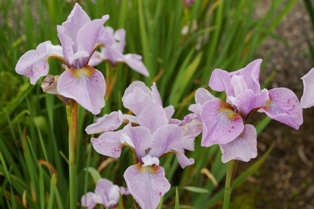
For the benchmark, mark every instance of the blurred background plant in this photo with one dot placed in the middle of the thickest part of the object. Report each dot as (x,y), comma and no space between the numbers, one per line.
(181,44)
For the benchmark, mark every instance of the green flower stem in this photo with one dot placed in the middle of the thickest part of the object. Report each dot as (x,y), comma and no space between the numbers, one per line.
(72,109)
(232,165)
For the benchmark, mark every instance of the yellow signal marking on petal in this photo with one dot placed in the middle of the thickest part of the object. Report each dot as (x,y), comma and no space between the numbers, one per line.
(85,71)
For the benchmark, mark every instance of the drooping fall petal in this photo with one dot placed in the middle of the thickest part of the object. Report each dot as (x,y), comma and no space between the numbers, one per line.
(86,86)
(284,106)
(108,144)
(106,123)
(34,63)
(243,148)
(220,123)
(146,184)
(307,99)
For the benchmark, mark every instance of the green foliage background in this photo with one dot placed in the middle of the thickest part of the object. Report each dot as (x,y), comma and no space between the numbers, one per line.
(33,128)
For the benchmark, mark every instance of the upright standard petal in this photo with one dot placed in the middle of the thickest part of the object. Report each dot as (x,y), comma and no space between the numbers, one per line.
(146,184)
(307,99)
(284,106)
(86,86)
(166,139)
(34,63)
(108,144)
(152,117)
(251,74)
(136,97)
(248,101)
(89,35)
(220,123)
(138,138)
(243,148)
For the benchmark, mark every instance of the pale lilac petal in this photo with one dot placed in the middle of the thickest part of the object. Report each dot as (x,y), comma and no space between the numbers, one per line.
(108,191)
(135,62)
(152,117)
(165,139)
(243,148)
(124,191)
(34,63)
(136,97)
(112,197)
(183,160)
(239,85)
(88,200)
(251,74)
(108,144)
(75,21)
(111,54)
(89,35)
(95,59)
(202,96)
(119,36)
(146,184)
(248,101)
(87,90)
(137,137)
(307,99)
(220,123)
(220,81)
(284,106)
(156,95)
(169,110)
(107,122)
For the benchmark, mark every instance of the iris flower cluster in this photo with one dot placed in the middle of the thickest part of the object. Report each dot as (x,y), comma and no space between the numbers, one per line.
(224,122)
(151,132)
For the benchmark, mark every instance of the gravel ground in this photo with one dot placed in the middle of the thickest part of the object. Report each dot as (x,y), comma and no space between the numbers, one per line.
(286,179)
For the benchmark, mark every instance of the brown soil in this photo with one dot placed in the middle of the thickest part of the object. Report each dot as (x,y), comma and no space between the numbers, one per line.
(286,179)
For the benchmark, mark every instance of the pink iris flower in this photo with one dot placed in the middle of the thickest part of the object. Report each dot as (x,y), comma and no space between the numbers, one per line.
(134,61)
(106,194)
(79,37)
(223,123)
(150,135)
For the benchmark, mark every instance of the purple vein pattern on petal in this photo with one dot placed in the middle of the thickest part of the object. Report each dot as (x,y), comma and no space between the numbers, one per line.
(220,123)
(146,184)
(243,148)
(152,117)
(137,137)
(88,88)
(106,123)
(34,63)
(108,144)
(307,99)
(284,106)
